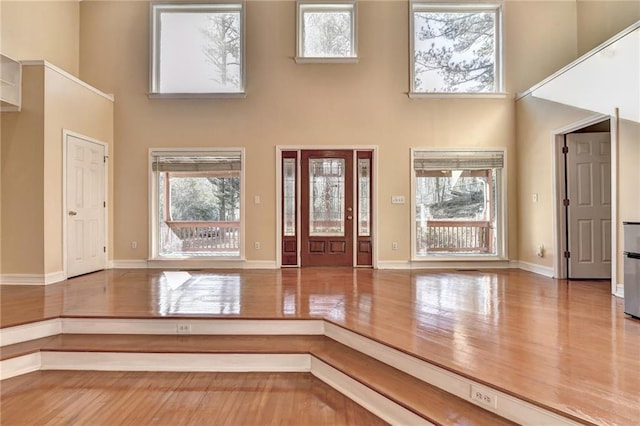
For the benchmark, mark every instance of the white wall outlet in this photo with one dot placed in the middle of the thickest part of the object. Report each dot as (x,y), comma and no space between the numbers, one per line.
(397,199)
(184,328)
(256,245)
(256,199)
(394,246)
(540,251)
(484,397)
(534,197)
(134,244)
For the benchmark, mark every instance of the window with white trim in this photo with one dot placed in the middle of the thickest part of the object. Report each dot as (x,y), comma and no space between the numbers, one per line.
(197,48)
(196,203)
(326,30)
(456,48)
(458,203)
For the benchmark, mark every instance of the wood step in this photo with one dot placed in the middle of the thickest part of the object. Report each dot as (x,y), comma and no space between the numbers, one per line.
(423,399)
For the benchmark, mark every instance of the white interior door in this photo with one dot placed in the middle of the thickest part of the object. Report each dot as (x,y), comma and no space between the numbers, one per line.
(86,211)
(589,210)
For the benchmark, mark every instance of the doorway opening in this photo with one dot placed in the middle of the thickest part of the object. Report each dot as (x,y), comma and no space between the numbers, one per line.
(585,214)
(325,200)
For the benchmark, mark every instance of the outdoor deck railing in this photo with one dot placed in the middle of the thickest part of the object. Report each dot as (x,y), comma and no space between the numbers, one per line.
(200,236)
(454,236)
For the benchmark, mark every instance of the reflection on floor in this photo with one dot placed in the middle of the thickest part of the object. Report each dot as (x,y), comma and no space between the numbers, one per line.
(565,345)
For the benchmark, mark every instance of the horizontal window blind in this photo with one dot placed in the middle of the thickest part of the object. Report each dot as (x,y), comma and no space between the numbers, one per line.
(458,160)
(167,161)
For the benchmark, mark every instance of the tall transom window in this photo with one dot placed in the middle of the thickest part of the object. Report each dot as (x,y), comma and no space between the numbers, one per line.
(456,48)
(326,31)
(197,48)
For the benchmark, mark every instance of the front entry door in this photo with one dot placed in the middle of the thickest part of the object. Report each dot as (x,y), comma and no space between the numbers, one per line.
(85,209)
(589,210)
(327,209)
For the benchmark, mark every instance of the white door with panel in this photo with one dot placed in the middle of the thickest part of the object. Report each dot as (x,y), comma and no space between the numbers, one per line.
(85,206)
(589,211)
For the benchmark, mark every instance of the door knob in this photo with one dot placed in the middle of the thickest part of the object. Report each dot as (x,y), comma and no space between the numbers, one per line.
(349,209)
(349,217)
(72,213)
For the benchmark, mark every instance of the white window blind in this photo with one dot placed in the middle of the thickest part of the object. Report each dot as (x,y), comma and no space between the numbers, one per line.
(458,160)
(164,161)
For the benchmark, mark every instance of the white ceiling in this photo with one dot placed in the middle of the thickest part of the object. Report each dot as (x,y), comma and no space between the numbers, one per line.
(602,80)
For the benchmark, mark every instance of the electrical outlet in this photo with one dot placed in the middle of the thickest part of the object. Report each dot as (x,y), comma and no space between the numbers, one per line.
(394,246)
(134,244)
(184,328)
(256,245)
(483,396)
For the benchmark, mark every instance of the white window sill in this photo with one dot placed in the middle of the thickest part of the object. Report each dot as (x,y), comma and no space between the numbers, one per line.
(421,95)
(459,258)
(233,95)
(303,60)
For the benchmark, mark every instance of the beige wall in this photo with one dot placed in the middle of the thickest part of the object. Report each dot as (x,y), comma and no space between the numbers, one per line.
(22,180)
(32,175)
(42,30)
(69,106)
(313,104)
(541,38)
(537,120)
(600,20)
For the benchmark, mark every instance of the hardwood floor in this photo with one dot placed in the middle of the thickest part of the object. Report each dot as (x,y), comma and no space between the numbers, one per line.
(137,398)
(563,345)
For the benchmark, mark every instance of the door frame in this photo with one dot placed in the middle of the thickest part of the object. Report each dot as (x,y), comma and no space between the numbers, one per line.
(65,233)
(374,195)
(559,218)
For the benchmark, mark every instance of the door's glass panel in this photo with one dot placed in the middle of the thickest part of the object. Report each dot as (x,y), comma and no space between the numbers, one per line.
(289,171)
(364,201)
(326,197)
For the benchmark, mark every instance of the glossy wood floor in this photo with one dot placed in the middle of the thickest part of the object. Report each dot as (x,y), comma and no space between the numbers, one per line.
(138,398)
(564,345)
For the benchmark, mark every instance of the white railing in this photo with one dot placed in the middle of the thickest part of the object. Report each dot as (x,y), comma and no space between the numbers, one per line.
(200,237)
(454,236)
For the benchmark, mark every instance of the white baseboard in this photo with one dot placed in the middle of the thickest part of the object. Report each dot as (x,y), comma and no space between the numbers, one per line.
(507,406)
(32,279)
(536,269)
(128,264)
(260,264)
(394,264)
(371,400)
(444,264)
(193,263)
(31,331)
(619,291)
(119,361)
(13,367)
(196,327)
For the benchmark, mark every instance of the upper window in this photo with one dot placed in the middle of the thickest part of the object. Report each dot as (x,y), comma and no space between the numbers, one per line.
(197,48)
(455,48)
(327,30)
(458,203)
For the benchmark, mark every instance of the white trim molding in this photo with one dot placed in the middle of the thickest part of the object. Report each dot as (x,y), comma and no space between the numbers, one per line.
(536,269)
(371,400)
(32,279)
(69,76)
(31,331)
(18,366)
(121,361)
(194,326)
(507,406)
